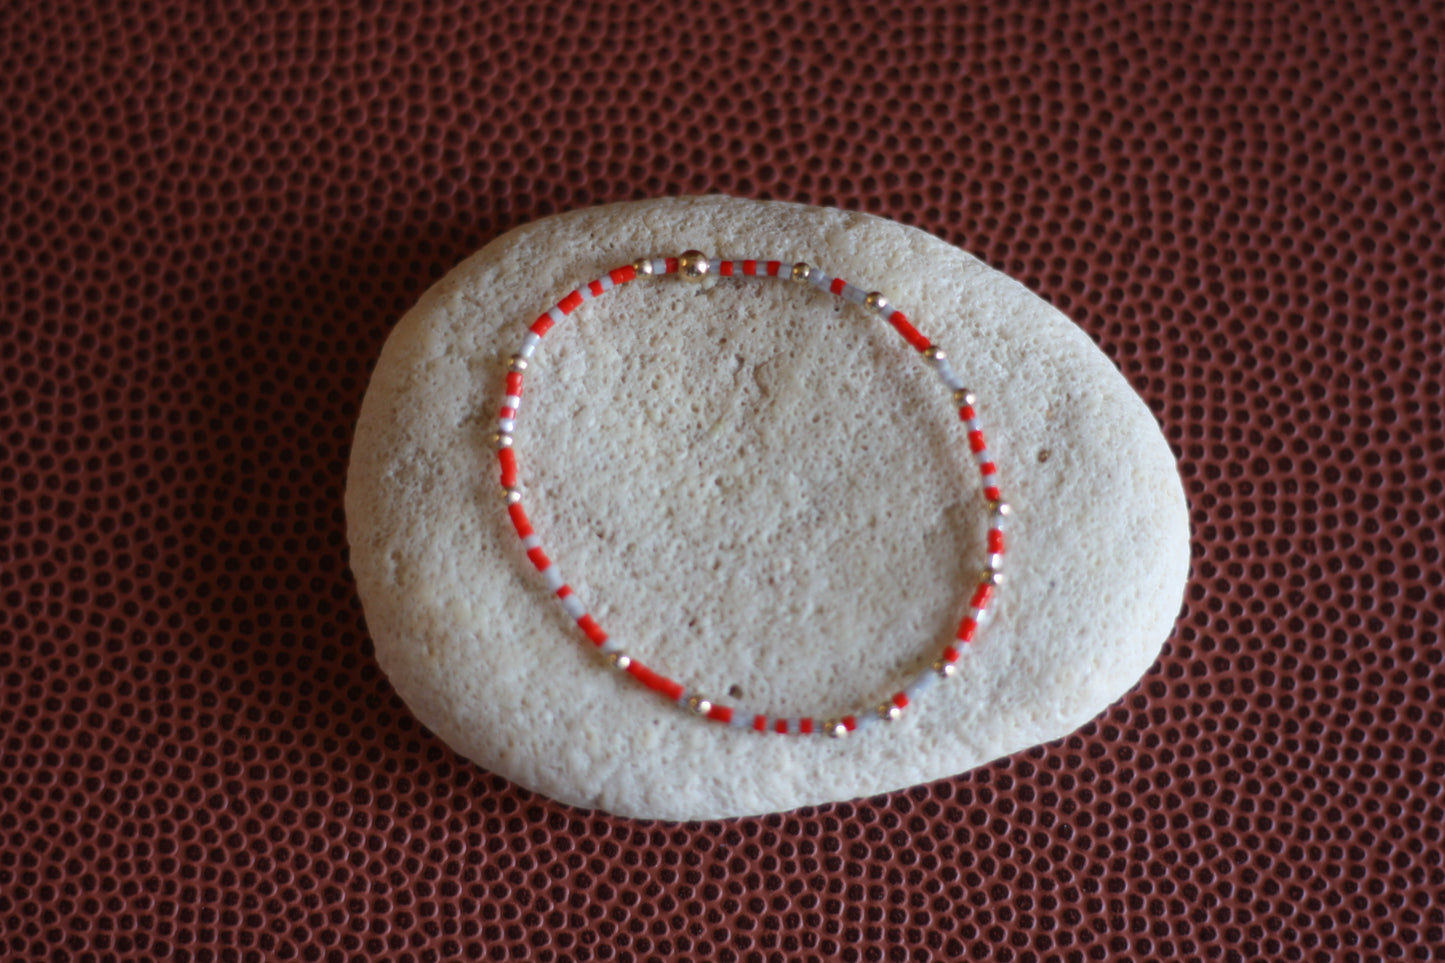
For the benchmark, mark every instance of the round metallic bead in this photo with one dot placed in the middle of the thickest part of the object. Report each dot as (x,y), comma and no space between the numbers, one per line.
(876,301)
(944,668)
(887,711)
(511,495)
(699,705)
(933,355)
(501,439)
(643,267)
(693,265)
(802,271)
(619,661)
(1001,511)
(835,728)
(965,397)
(517,363)
(992,575)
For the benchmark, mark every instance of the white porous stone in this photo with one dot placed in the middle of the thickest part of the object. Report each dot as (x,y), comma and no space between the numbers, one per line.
(763,492)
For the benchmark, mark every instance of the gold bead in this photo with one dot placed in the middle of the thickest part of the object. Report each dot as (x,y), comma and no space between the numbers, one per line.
(699,705)
(501,439)
(643,267)
(511,495)
(933,355)
(619,661)
(944,668)
(964,397)
(991,576)
(876,300)
(802,271)
(517,363)
(835,728)
(888,712)
(693,265)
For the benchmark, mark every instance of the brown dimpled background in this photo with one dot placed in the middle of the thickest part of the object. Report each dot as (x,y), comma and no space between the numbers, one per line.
(212,216)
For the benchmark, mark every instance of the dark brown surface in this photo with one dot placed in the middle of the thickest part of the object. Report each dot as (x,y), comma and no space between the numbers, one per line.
(212,220)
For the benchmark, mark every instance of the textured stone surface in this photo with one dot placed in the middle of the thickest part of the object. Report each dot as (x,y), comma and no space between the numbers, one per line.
(761,491)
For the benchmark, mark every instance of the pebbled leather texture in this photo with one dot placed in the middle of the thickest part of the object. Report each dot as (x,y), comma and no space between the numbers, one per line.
(212,218)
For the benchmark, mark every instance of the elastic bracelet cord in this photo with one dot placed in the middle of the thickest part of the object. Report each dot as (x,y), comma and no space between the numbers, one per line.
(694,266)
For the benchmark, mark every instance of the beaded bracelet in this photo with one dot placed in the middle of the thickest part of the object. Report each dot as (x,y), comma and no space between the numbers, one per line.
(694,266)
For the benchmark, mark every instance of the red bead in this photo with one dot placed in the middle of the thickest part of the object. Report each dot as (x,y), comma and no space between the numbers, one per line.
(966,413)
(781,726)
(995,541)
(750,268)
(774,267)
(623,274)
(837,285)
(992,493)
(975,441)
(539,558)
(671,265)
(967,628)
(570,303)
(508,458)
(542,325)
(596,288)
(950,654)
(988,468)
(900,700)
(910,334)
(850,723)
(593,630)
(514,383)
(655,681)
(760,723)
(725,269)
(805,726)
(519,520)
(720,714)
(981,595)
